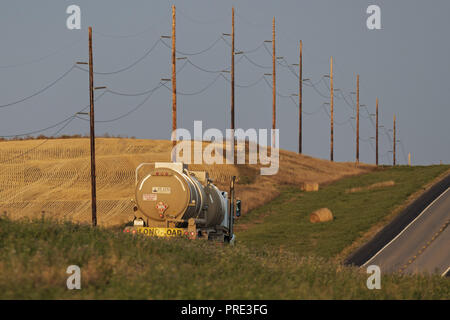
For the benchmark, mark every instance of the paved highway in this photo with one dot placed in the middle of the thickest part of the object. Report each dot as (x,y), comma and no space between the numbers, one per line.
(423,246)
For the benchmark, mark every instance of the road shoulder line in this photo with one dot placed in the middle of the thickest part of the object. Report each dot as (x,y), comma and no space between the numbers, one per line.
(392,230)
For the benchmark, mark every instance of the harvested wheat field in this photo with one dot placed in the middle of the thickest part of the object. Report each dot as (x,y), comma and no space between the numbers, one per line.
(52,177)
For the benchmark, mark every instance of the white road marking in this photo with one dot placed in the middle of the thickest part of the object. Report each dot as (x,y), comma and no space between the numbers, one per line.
(445,272)
(406,227)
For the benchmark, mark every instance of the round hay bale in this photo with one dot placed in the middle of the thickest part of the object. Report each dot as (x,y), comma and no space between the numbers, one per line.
(321,215)
(310,186)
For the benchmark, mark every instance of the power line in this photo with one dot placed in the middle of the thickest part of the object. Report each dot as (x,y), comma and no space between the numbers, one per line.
(219,73)
(51,126)
(245,51)
(215,21)
(254,49)
(199,91)
(204,69)
(306,112)
(130,94)
(309,83)
(126,94)
(255,63)
(342,94)
(322,107)
(212,45)
(128,112)
(319,92)
(130,65)
(369,116)
(352,107)
(132,35)
(251,84)
(37,131)
(313,85)
(362,139)
(339,123)
(40,91)
(388,136)
(42,57)
(278,94)
(69,120)
(286,65)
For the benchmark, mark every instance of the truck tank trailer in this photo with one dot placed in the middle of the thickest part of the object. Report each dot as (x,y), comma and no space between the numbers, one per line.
(172,201)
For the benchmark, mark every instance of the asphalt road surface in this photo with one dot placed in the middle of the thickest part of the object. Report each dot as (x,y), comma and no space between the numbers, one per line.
(423,246)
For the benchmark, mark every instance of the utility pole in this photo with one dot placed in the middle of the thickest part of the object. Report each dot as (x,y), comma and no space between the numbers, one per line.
(92,129)
(331,110)
(393,151)
(357,118)
(300,85)
(376,135)
(92,136)
(274,92)
(232,73)
(232,88)
(174,78)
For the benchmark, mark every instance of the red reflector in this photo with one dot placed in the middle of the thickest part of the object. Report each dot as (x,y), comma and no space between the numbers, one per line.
(128,230)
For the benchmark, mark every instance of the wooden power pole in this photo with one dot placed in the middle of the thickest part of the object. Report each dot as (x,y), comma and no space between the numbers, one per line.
(232,88)
(300,112)
(376,135)
(174,77)
(232,73)
(393,151)
(331,111)
(357,118)
(92,134)
(274,92)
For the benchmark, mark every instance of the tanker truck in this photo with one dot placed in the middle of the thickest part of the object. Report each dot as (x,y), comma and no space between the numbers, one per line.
(172,201)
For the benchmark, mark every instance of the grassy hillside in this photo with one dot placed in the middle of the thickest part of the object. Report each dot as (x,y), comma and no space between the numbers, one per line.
(34,257)
(266,263)
(358,204)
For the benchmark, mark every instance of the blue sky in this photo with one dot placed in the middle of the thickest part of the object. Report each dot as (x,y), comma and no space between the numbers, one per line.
(405,64)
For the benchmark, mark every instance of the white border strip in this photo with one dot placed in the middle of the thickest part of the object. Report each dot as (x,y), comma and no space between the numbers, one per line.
(407,227)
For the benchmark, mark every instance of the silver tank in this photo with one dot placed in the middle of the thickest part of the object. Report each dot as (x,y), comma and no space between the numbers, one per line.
(170,191)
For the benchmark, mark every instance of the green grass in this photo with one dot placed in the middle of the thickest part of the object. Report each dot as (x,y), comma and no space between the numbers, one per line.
(34,256)
(284,222)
